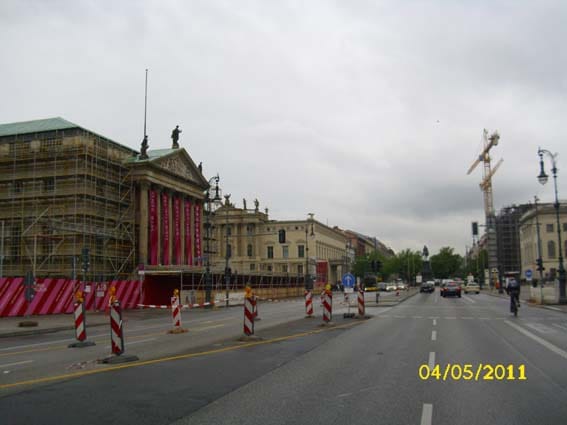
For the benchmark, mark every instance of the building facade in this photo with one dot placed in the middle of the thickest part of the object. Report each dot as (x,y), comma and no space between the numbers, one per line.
(255,245)
(71,196)
(547,245)
(508,238)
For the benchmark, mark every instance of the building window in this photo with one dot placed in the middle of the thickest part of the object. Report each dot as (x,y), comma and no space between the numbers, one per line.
(252,267)
(249,250)
(285,251)
(228,230)
(229,250)
(549,228)
(270,252)
(551,249)
(250,229)
(565,227)
(18,185)
(270,268)
(301,251)
(284,268)
(300,269)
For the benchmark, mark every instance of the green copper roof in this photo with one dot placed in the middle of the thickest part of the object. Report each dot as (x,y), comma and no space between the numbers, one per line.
(36,126)
(153,154)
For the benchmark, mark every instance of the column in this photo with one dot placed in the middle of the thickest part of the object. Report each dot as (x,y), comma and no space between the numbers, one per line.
(171,227)
(182,224)
(143,224)
(159,224)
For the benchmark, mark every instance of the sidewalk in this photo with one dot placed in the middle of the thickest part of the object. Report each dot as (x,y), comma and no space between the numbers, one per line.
(48,323)
(525,298)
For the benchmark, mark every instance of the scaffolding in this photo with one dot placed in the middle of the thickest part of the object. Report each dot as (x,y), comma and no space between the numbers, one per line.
(62,191)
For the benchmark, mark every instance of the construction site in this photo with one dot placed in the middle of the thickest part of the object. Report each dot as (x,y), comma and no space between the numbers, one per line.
(64,191)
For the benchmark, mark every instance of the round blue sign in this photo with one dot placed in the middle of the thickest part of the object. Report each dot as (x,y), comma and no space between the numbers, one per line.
(348,280)
(528,273)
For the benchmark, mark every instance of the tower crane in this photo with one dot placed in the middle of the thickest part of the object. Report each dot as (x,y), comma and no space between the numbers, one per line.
(486,187)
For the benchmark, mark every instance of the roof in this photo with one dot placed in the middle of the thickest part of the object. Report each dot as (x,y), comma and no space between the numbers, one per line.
(35,126)
(152,155)
(48,124)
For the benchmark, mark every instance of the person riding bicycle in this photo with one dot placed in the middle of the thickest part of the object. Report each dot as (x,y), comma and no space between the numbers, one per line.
(513,290)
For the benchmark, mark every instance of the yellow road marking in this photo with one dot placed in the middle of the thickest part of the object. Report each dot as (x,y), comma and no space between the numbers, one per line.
(167,359)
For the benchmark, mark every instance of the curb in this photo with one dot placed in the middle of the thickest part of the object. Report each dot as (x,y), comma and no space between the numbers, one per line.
(527,302)
(45,330)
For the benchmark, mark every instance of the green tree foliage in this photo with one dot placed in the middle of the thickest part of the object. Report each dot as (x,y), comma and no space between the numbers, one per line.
(446,263)
(363,264)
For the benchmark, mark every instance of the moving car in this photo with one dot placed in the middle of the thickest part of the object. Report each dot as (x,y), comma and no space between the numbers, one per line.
(427,287)
(401,286)
(472,287)
(451,289)
(391,287)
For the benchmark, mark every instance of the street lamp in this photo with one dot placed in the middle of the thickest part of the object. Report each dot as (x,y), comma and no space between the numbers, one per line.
(542,178)
(308,285)
(216,199)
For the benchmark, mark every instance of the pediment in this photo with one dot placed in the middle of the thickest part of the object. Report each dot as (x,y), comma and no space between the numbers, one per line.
(181,165)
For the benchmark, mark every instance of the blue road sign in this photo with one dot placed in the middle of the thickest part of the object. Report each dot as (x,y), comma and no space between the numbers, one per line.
(348,280)
(528,273)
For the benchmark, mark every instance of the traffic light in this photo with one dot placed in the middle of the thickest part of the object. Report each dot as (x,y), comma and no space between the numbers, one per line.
(86,259)
(539,263)
(475,228)
(29,292)
(281,236)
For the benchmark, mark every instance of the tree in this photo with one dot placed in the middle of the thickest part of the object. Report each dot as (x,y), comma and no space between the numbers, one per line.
(446,263)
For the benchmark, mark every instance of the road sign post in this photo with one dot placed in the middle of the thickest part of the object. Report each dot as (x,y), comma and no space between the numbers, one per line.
(348,282)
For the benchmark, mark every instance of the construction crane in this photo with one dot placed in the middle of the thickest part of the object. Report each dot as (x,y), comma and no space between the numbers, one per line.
(486,188)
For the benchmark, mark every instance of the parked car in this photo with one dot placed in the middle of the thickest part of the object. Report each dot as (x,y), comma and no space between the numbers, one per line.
(427,287)
(401,286)
(391,287)
(451,289)
(472,287)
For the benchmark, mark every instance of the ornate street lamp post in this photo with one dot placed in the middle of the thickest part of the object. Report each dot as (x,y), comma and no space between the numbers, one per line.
(216,199)
(542,178)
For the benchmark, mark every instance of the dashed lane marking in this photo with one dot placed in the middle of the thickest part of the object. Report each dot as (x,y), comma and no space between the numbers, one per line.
(434,322)
(15,364)
(433,335)
(426,414)
(430,363)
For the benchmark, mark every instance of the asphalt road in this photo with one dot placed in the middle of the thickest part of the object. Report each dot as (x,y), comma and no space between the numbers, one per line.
(358,372)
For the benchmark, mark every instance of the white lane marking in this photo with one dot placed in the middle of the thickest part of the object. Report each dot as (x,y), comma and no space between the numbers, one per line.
(426,414)
(541,328)
(207,327)
(433,335)
(536,338)
(15,364)
(417,317)
(559,326)
(434,322)
(431,362)
(450,317)
(16,347)
(553,308)
(468,299)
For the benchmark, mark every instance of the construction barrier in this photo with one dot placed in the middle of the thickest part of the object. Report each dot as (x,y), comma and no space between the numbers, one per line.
(361,309)
(55,296)
(116,331)
(80,322)
(308,304)
(167,307)
(249,305)
(327,305)
(176,314)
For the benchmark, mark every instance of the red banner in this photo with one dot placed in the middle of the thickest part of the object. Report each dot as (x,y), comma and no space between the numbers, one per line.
(153,240)
(177,230)
(165,228)
(188,244)
(198,251)
(322,271)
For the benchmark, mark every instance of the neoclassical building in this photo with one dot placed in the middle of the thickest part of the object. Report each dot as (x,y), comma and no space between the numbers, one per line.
(69,194)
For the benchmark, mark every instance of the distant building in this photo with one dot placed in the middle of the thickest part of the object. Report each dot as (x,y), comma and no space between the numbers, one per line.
(548,239)
(255,250)
(364,245)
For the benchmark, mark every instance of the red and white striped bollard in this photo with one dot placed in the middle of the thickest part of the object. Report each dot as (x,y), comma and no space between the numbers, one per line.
(308,304)
(249,304)
(328,306)
(361,308)
(116,334)
(80,326)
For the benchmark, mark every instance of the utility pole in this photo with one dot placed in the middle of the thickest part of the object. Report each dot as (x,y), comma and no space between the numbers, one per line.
(486,187)
(539,259)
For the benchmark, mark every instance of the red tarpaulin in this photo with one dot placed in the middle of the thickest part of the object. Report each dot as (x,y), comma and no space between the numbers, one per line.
(188,244)
(165,228)
(153,240)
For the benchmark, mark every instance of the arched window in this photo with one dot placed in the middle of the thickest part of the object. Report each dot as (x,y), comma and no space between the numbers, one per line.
(249,250)
(551,249)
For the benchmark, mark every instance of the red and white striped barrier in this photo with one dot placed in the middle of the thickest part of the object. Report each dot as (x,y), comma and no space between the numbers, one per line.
(308,304)
(175,312)
(80,329)
(249,305)
(361,308)
(327,306)
(116,334)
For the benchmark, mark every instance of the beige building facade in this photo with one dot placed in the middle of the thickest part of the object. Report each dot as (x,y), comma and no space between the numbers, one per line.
(548,239)
(257,245)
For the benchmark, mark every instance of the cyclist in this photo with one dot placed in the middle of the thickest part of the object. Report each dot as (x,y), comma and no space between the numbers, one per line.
(513,290)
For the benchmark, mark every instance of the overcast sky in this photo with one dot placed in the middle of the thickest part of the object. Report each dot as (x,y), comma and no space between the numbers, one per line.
(366,113)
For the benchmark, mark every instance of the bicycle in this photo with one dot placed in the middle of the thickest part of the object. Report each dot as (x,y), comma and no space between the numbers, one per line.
(515,303)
